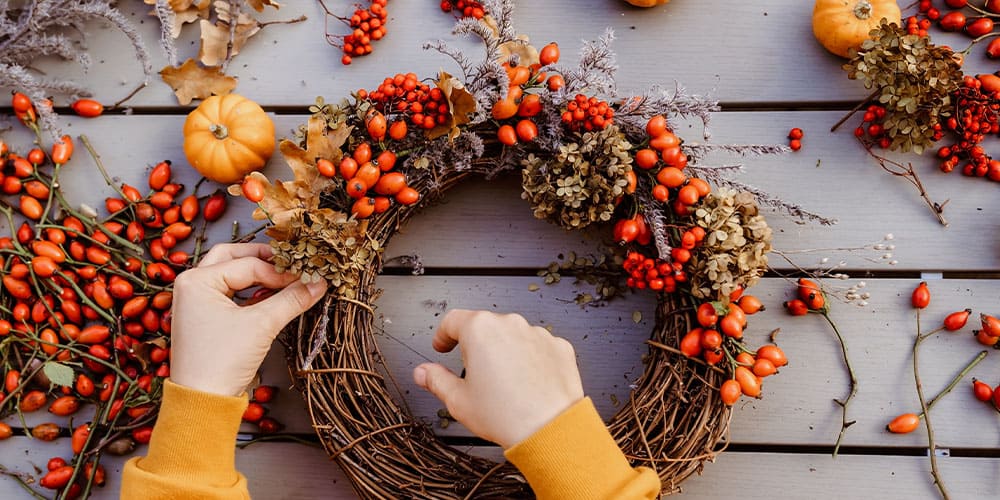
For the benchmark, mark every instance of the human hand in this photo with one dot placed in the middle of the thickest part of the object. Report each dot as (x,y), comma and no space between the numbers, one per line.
(518,377)
(218,345)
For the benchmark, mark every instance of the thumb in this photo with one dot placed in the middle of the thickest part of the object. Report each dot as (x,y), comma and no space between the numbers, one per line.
(439,381)
(290,302)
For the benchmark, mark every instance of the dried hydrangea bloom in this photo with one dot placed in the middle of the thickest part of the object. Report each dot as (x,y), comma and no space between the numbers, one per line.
(734,252)
(327,245)
(580,184)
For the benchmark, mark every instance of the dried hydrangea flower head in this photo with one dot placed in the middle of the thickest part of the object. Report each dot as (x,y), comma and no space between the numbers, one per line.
(580,184)
(734,252)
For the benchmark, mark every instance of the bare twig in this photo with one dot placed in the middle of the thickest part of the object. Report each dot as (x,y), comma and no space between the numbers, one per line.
(843,403)
(958,378)
(907,172)
(855,109)
(924,408)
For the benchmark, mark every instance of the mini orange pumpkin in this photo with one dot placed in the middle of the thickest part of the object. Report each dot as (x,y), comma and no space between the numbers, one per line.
(227,137)
(841,25)
(647,3)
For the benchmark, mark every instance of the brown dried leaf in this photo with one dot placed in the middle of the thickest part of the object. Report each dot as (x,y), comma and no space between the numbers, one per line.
(191,81)
(182,5)
(525,52)
(190,14)
(308,183)
(215,40)
(460,104)
(322,142)
(258,5)
(222,12)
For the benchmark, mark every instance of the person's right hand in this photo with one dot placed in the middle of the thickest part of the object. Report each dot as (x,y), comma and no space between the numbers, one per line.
(217,344)
(518,377)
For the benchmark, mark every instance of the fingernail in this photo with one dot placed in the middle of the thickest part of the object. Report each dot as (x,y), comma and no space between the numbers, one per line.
(420,376)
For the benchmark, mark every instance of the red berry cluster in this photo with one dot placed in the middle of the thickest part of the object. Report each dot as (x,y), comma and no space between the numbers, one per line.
(367,25)
(522,105)
(658,275)
(919,27)
(426,106)
(985,393)
(976,117)
(655,274)
(977,26)
(370,180)
(795,139)
(871,125)
(464,8)
(256,410)
(587,114)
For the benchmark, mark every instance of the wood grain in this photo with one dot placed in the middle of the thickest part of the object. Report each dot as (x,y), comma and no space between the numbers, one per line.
(744,53)
(293,471)
(487,225)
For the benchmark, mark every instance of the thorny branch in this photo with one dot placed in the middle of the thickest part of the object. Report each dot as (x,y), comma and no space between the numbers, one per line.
(843,403)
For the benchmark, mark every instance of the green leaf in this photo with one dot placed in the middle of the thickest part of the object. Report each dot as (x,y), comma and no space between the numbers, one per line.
(58,373)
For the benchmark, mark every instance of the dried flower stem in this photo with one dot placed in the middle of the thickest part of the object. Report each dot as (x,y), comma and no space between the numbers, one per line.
(100,166)
(958,378)
(924,408)
(857,107)
(844,423)
(234,15)
(907,172)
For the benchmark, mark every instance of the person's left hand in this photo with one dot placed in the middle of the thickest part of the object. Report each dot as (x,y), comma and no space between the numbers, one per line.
(217,345)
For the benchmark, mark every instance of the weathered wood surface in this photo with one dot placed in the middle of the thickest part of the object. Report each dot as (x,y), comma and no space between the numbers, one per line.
(286,471)
(760,60)
(739,52)
(487,225)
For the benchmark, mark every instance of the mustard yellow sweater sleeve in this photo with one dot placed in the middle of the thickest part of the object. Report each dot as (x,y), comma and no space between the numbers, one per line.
(574,456)
(192,452)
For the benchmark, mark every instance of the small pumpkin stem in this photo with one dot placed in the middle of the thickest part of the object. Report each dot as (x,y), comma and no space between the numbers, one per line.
(220,131)
(863,10)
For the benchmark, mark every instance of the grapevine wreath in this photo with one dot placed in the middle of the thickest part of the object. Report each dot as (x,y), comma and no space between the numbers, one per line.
(363,167)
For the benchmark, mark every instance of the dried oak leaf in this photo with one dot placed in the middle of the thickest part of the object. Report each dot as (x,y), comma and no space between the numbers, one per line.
(460,104)
(324,142)
(258,5)
(182,5)
(519,46)
(308,183)
(191,81)
(285,202)
(215,39)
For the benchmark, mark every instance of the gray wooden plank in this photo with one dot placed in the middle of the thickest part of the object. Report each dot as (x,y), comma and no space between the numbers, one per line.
(291,471)
(756,52)
(273,470)
(486,224)
(803,477)
(609,348)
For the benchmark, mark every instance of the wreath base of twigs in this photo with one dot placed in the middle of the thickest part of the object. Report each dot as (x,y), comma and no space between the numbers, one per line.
(672,422)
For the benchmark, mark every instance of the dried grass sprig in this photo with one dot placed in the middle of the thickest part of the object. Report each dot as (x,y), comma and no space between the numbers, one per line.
(671,104)
(596,71)
(763,197)
(697,151)
(35,29)
(168,21)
